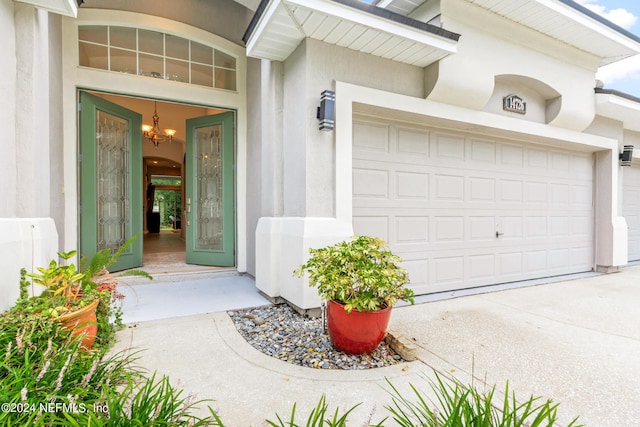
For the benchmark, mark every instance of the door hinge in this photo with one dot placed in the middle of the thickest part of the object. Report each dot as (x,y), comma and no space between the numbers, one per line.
(79,106)
(79,158)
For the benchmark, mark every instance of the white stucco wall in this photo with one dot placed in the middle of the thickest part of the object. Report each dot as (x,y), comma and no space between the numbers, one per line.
(309,217)
(497,46)
(24,243)
(8,170)
(32,111)
(28,235)
(265,156)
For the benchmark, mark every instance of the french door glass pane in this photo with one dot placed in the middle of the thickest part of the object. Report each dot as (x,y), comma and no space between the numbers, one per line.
(112,187)
(209,187)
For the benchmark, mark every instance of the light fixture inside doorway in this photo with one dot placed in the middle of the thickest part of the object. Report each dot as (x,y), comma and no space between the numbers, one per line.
(153,133)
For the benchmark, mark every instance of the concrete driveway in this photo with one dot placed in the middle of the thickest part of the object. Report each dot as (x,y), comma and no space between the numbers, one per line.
(576,342)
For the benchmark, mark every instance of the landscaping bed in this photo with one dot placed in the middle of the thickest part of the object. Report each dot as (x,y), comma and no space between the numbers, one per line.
(281,332)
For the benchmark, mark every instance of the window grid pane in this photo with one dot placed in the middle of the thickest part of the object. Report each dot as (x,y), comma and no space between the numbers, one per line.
(154,54)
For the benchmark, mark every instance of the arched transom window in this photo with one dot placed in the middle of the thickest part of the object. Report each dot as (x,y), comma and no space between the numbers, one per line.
(155,54)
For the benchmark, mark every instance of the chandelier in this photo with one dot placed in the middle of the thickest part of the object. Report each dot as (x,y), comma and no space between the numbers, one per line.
(153,133)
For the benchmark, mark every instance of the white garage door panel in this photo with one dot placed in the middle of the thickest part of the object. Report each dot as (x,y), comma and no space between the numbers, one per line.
(439,198)
(631,209)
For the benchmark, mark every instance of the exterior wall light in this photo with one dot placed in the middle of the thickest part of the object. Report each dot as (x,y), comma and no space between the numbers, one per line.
(626,155)
(326,113)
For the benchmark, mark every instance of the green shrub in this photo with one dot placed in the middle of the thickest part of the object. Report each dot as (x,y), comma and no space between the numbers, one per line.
(362,274)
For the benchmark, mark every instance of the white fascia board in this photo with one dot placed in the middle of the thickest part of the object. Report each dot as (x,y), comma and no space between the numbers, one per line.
(356,16)
(60,7)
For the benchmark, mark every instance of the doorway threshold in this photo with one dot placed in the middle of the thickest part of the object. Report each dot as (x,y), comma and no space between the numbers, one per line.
(178,272)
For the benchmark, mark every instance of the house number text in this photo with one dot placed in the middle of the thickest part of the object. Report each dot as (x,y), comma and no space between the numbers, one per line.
(515,104)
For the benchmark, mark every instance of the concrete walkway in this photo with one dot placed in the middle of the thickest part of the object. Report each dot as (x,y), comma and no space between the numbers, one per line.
(169,296)
(576,342)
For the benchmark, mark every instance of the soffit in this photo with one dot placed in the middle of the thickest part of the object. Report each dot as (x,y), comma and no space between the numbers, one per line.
(280,25)
(570,23)
(61,7)
(564,20)
(619,106)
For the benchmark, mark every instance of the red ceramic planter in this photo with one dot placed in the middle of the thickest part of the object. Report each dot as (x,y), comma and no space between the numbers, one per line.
(356,332)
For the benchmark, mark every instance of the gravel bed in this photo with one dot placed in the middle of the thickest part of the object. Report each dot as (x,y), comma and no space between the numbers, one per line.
(280,332)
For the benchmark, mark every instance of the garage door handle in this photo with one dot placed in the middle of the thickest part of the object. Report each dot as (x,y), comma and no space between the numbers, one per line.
(498,234)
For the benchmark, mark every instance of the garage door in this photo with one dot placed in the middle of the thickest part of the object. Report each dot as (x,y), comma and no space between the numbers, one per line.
(631,209)
(466,211)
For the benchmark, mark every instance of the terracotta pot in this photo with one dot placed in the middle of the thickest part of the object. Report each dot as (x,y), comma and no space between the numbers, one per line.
(356,332)
(83,321)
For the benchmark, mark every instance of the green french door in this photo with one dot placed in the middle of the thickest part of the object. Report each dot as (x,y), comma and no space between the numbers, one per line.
(209,201)
(110,180)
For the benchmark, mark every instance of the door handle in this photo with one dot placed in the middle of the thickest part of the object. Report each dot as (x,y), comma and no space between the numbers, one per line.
(498,234)
(186,218)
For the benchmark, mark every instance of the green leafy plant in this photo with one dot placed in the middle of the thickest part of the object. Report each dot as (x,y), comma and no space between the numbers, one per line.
(458,405)
(362,274)
(142,402)
(48,379)
(98,283)
(63,285)
(68,289)
(318,417)
(42,365)
(96,274)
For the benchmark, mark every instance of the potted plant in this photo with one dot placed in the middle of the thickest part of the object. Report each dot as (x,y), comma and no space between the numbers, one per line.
(80,300)
(361,280)
(65,299)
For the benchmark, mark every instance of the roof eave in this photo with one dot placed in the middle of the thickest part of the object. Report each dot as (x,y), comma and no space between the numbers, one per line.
(265,29)
(619,106)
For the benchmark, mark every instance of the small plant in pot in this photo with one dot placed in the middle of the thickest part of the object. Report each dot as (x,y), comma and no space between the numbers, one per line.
(65,299)
(80,300)
(361,280)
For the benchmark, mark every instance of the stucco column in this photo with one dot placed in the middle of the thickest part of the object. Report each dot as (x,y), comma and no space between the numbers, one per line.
(8,172)
(32,112)
(28,237)
(611,229)
(307,178)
